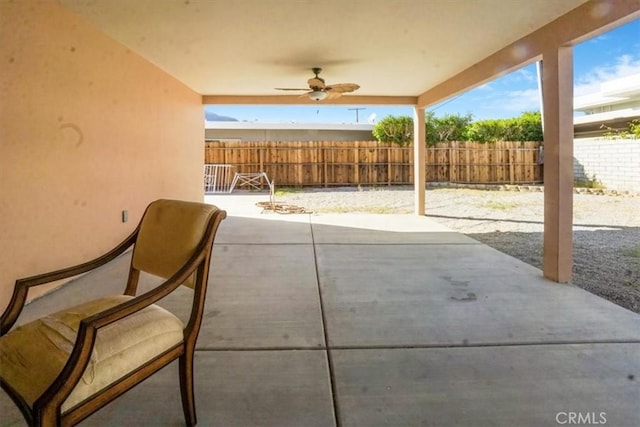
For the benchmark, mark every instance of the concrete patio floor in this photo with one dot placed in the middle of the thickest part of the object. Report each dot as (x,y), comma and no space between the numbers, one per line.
(379,320)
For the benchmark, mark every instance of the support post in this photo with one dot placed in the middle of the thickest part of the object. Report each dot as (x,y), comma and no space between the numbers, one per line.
(557,93)
(419,150)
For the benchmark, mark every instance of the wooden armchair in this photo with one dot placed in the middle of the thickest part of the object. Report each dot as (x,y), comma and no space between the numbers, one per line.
(61,368)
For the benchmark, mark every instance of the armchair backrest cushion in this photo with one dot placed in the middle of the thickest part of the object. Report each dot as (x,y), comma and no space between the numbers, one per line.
(169,234)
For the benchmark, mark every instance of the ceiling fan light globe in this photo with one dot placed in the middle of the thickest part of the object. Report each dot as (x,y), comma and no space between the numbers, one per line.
(317,95)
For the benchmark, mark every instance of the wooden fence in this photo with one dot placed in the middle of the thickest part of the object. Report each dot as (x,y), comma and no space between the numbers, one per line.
(345,163)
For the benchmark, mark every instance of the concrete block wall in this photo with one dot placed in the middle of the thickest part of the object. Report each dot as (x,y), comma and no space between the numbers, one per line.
(613,162)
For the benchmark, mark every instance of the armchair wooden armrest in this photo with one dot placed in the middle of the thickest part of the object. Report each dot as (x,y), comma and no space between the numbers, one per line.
(21,288)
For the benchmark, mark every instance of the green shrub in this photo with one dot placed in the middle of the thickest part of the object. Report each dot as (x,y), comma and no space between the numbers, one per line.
(398,130)
(455,127)
(527,127)
(632,132)
(485,131)
(588,182)
(450,127)
(634,128)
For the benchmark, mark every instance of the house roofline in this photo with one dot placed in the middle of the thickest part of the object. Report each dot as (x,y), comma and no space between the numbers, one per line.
(288,126)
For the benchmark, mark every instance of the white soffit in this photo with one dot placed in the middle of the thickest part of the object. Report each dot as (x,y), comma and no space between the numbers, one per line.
(249,47)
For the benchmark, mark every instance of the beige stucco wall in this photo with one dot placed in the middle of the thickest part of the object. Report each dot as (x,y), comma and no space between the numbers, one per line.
(87,129)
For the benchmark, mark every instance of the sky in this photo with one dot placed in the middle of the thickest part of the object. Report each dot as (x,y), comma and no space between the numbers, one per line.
(611,55)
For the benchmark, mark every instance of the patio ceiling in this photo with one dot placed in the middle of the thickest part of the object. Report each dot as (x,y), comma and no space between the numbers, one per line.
(246,48)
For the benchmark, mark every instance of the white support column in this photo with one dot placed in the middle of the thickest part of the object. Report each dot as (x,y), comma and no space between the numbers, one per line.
(557,93)
(419,150)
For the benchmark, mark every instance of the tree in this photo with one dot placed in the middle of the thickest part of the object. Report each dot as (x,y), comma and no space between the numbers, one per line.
(450,127)
(456,127)
(485,131)
(398,130)
(527,127)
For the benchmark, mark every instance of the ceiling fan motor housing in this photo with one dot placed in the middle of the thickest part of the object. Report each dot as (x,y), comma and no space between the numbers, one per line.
(316,84)
(317,95)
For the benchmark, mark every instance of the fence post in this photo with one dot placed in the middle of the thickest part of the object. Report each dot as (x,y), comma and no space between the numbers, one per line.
(261,157)
(511,166)
(324,165)
(299,174)
(389,166)
(356,168)
(450,163)
(468,165)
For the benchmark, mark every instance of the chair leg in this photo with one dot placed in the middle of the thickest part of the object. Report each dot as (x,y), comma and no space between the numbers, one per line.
(186,387)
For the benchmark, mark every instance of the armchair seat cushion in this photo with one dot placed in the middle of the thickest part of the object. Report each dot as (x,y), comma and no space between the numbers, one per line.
(35,353)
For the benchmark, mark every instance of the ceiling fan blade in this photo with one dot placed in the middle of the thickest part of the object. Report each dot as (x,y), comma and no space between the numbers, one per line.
(333,94)
(342,87)
(290,88)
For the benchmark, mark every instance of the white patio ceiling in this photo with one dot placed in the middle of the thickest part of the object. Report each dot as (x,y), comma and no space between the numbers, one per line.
(249,47)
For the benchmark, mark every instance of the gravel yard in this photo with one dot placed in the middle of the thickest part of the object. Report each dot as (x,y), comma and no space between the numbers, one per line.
(606,227)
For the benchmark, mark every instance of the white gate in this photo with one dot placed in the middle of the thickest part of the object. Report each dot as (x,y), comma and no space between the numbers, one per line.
(218,179)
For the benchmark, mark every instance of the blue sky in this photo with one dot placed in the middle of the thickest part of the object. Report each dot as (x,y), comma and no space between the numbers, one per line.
(608,56)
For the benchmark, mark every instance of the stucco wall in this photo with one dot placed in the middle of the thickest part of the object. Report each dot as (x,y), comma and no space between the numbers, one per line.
(613,162)
(87,129)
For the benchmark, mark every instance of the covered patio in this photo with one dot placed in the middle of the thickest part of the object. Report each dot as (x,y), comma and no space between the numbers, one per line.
(311,320)
(371,320)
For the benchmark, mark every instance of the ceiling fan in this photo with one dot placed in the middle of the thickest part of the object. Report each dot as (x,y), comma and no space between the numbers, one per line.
(318,90)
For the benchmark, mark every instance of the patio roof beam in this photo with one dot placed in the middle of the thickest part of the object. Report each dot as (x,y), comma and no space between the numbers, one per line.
(303,100)
(590,19)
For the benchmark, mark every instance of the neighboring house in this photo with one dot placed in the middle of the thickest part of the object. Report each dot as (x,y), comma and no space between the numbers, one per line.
(251,131)
(613,107)
(610,162)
